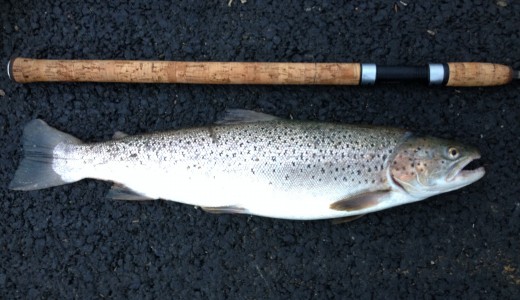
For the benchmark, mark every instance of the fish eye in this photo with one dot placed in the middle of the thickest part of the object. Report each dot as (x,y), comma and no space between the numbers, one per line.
(453,152)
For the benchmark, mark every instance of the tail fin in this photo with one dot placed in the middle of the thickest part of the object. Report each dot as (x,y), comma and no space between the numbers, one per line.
(35,171)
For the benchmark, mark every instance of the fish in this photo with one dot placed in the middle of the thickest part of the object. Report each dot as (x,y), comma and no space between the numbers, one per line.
(258,164)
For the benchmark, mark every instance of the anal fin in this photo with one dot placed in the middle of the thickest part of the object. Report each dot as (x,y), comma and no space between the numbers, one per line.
(231,209)
(121,192)
(360,201)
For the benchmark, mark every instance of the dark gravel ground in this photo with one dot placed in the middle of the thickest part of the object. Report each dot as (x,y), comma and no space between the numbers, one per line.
(71,242)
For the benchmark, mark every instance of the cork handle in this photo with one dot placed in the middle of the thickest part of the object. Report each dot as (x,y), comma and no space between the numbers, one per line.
(478,74)
(26,70)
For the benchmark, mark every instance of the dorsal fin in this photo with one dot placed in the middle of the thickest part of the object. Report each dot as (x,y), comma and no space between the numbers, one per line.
(238,116)
(119,135)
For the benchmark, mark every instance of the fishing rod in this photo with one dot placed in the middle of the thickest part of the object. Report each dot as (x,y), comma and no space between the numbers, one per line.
(25,70)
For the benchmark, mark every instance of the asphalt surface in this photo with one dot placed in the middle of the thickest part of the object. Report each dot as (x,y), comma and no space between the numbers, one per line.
(72,242)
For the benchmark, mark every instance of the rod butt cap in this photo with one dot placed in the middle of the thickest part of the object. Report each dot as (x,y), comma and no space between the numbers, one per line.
(10,69)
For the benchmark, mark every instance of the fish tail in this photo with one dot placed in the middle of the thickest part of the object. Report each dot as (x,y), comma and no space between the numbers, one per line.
(36,168)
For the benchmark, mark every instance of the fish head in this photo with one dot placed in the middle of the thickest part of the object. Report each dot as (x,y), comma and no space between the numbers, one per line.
(425,166)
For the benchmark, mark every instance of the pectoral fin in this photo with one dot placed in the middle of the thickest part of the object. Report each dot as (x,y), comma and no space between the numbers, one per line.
(225,210)
(360,201)
(121,192)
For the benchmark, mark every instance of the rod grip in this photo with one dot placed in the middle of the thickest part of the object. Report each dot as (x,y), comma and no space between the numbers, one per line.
(478,74)
(25,70)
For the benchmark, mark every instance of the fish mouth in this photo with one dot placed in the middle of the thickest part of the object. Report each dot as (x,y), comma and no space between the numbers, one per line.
(460,172)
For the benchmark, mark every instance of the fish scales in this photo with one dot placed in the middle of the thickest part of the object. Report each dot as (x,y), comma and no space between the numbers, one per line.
(235,164)
(282,169)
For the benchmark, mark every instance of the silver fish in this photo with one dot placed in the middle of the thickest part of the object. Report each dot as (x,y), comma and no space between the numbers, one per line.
(253,163)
